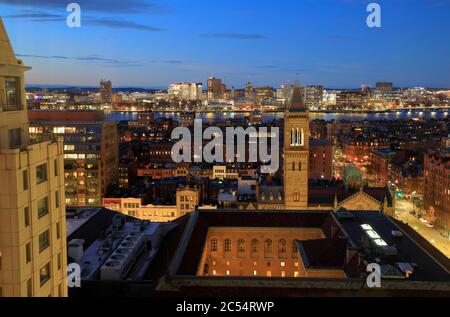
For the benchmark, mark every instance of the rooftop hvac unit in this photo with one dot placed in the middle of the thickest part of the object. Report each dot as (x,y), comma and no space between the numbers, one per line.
(119,264)
(390,251)
(118,221)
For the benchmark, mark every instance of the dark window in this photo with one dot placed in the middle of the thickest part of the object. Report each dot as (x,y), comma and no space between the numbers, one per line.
(58,230)
(41,173)
(44,241)
(59,261)
(25,179)
(268,246)
(57,202)
(42,206)
(282,246)
(56,167)
(294,246)
(227,245)
(28,253)
(241,245)
(15,137)
(254,246)
(26,215)
(29,288)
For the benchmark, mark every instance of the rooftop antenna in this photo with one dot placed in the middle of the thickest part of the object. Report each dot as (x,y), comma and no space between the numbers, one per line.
(297,81)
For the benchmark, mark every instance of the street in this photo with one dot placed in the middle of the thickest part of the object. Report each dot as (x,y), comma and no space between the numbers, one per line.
(402,213)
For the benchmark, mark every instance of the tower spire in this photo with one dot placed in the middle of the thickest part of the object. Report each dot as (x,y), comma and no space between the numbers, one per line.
(7,56)
(297,104)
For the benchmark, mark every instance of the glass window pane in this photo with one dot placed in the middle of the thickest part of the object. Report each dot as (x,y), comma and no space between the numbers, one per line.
(44,241)
(41,173)
(15,137)
(44,273)
(42,206)
(12,98)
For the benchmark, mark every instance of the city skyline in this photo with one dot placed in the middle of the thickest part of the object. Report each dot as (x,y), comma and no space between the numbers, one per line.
(151,44)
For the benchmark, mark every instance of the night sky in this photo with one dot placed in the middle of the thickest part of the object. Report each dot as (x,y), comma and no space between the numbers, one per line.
(267,42)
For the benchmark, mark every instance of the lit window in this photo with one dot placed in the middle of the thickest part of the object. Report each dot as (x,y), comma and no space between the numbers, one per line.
(44,274)
(214,245)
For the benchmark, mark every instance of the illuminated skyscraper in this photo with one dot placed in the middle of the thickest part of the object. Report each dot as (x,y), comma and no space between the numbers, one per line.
(313,97)
(215,89)
(106,94)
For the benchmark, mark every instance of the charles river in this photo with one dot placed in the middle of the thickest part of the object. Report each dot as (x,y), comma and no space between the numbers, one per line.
(212,117)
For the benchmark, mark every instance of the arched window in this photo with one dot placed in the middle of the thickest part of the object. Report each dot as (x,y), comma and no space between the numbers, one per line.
(271,196)
(241,245)
(214,245)
(293,136)
(227,245)
(263,196)
(280,198)
(294,246)
(282,246)
(300,137)
(254,246)
(299,166)
(297,137)
(268,246)
(296,196)
(293,166)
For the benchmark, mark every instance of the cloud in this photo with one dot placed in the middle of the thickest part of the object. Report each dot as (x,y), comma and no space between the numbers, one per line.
(121,24)
(234,36)
(113,23)
(90,58)
(173,62)
(267,67)
(104,6)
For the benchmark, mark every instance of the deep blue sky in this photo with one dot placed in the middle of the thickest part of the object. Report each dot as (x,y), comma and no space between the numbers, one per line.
(152,43)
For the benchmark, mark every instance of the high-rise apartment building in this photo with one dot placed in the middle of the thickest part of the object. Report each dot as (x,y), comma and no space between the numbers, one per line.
(33,257)
(284,92)
(264,93)
(384,87)
(249,91)
(106,94)
(91,153)
(215,89)
(186,91)
(313,97)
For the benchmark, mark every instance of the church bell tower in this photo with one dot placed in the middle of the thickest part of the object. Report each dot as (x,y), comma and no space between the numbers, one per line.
(296,153)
